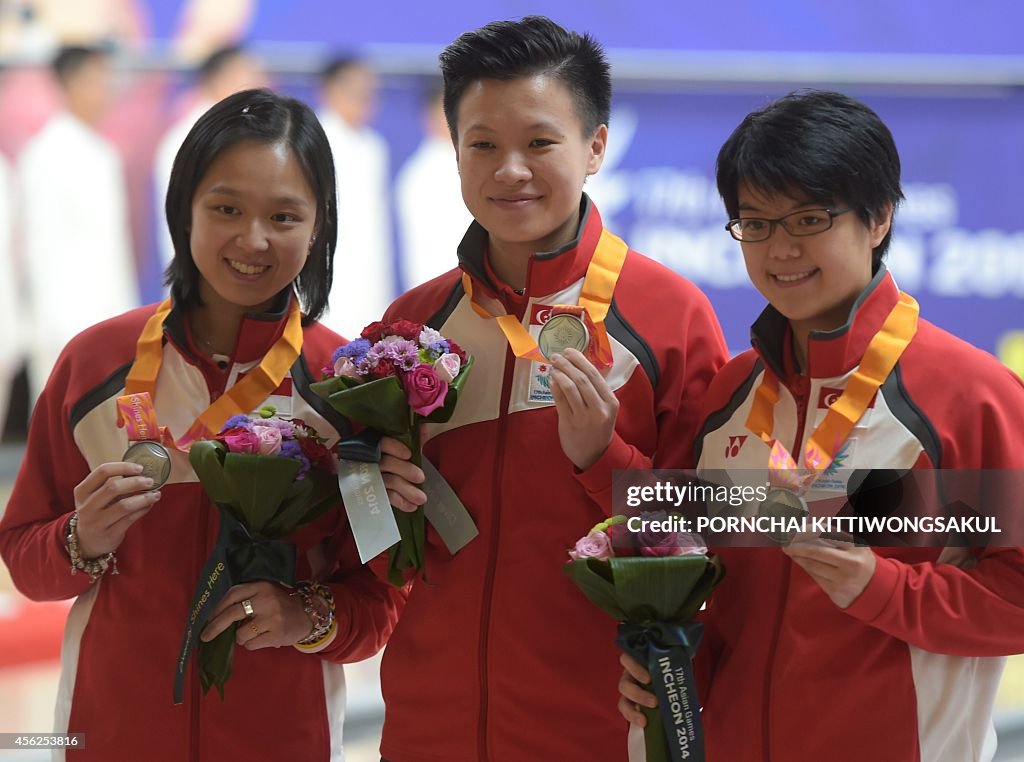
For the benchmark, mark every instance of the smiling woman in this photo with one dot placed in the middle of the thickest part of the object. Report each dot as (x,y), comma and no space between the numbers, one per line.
(251,209)
(253,228)
(523,154)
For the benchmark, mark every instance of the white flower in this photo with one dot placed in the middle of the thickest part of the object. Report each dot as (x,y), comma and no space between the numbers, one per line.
(429,336)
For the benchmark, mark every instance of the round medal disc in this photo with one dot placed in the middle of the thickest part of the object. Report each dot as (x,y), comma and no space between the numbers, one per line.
(782,504)
(561,332)
(154,459)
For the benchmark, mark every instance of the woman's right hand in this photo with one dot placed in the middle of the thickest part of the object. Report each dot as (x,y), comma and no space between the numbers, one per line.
(631,694)
(109,500)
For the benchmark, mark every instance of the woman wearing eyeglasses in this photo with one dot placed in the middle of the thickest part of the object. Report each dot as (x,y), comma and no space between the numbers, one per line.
(825,650)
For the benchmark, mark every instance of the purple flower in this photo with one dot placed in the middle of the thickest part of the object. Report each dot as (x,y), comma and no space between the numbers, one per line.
(238,422)
(405,354)
(287,427)
(377,352)
(355,350)
(292,449)
(441,347)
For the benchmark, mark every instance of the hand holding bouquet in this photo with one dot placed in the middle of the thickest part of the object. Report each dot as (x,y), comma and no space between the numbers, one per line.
(267,476)
(653,580)
(392,379)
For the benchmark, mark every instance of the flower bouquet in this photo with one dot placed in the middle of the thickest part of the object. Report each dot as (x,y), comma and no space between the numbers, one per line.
(653,580)
(267,476)
(391,379)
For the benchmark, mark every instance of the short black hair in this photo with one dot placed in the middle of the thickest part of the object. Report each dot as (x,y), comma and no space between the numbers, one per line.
(214,63)
(826,145)
(259,116)
(507,50)
(340,64)
(71,58)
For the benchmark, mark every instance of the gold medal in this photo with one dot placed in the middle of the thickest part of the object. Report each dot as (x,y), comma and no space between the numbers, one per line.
(561,332)
(154,459)
(785,505)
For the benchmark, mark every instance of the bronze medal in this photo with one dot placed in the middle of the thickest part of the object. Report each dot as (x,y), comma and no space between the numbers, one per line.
(782,504)
(561,332)
(154,459)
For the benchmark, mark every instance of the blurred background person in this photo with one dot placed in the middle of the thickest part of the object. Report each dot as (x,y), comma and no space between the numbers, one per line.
(432,217)
(363,262)
(207,25)
(11,328)
(224,72)
(79,267)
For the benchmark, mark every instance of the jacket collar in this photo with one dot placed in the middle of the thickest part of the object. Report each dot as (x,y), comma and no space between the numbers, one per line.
(829,353)
(548,272)
(256,334)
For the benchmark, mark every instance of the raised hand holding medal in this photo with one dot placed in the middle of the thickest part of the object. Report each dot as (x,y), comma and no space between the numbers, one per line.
(154,459)
(587,408)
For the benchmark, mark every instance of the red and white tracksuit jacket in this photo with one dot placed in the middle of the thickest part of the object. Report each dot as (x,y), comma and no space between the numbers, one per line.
(498,657)
(909,671)
(123,633)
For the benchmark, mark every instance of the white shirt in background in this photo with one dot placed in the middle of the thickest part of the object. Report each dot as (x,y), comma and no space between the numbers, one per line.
(363,284)
(11,328)
(432,217)
(79,267)
(163,162)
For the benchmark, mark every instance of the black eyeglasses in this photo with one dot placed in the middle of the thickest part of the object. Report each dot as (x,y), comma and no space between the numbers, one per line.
(804,222)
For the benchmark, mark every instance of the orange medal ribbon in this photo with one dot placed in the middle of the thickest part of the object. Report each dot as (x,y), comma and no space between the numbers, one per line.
(880,357)
(140,387)
(595,297)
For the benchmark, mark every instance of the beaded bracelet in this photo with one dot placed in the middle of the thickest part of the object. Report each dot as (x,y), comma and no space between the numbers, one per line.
(94,567)
(318,605)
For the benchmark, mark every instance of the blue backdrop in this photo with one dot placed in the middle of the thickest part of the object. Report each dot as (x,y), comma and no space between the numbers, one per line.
(959,241)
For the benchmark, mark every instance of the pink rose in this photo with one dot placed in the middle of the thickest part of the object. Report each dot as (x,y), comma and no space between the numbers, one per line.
(660,537)
(424,390)
(597,544)
(243,442)
(269,439)
(447,367)
(345,367)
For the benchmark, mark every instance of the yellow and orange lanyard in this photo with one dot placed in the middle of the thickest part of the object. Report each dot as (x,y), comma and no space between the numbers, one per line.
(135,408)
(595,297)
(880,357)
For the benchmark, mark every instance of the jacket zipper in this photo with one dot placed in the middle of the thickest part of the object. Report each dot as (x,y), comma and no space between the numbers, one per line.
(485,614)
(801,415)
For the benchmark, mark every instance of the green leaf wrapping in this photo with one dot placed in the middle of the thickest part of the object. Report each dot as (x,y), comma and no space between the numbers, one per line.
(379,404)
(261,493)
(259,484)
(643,588)
(640,589)
(207,459)
(382,405)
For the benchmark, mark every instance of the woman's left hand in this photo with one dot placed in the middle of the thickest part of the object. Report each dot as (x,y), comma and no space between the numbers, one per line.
(278,619)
